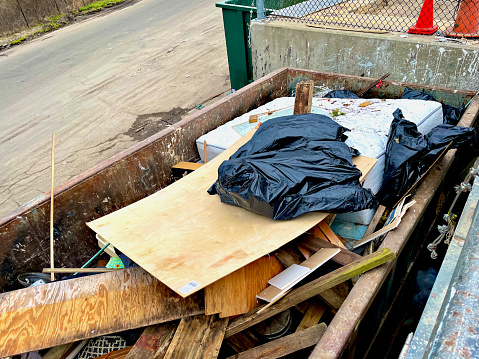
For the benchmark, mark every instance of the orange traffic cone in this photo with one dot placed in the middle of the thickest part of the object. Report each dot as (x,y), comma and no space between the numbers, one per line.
(425,22)
(467,20)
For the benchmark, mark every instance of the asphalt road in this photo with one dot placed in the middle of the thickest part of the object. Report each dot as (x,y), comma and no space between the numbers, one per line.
(102,85)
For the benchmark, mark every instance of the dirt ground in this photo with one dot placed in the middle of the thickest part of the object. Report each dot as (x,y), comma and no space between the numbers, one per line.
(101,86)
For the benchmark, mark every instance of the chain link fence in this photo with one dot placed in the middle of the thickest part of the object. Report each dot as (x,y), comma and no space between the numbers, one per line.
(443,17)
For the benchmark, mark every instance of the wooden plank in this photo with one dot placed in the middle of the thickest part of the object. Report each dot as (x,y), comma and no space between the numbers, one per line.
(346,321)
(236,293)
(66,311)
(60,351)
(198,337)
(117,354)
(304,97)
(217,240)
(242,341)
(315,244)
(311,289)
(286,345)
(312,316)
(289,255)
(333,297)
(153,342)
(330,235)
(375,221)
(79,270)
(294,274)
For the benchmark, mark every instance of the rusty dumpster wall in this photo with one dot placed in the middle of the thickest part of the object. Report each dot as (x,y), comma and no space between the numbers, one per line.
(121,180)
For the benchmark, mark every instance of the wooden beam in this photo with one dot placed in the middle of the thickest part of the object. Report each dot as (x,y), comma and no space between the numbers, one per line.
(197,338)
(79,270)
(153,342)
(66,311)
(242,341)
(286,345)
(304,97)
(333,297)
(117,354)
(312,316)
(60,351)
(311,289)
(330,235)
(315,244)
(375,221)
(346,321)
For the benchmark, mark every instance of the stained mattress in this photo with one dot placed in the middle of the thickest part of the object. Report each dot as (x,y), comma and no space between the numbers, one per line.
(369,127)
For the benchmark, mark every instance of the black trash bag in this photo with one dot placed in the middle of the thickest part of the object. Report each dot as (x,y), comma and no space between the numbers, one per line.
(409,154)
(341,94)
(451,115)
(294,165)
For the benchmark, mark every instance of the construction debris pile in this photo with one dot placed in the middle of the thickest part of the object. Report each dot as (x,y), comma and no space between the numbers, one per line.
(216,280)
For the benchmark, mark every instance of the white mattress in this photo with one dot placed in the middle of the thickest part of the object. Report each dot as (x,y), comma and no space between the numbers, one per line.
(369,128)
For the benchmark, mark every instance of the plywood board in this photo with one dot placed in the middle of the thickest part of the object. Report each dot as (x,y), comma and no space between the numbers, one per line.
(189,239)
(236,293)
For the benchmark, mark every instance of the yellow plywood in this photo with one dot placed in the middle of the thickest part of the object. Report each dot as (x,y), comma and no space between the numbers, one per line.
(189,239)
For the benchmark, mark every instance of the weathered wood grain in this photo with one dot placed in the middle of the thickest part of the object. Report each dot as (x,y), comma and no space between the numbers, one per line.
(65,311)
(117,354)
(198,337)
(312,316)
(311,289)
(60,351)
(286,345)
(153,342)
(303,97)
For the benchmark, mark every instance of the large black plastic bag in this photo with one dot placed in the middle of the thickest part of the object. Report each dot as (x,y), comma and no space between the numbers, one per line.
(409,154)
(341,94)
(451,115)
(294,165)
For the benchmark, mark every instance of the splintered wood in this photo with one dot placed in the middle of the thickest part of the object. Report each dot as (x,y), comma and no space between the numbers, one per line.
(189,239)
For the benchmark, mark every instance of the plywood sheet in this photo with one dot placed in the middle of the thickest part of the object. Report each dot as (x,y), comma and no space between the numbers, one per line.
(189,239)
(236,293)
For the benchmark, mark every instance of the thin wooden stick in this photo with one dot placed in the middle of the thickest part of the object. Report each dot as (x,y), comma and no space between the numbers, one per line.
(204,151)
(79,270)
(52,262)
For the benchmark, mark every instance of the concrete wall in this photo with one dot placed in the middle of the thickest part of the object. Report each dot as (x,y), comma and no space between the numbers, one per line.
(18,14)
(417,59)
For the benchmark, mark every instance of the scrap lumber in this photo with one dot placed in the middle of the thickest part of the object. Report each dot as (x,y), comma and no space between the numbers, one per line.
(375,221)
(303,99)
(312,316)
(349,316)
(65,311)
(117,354)
(217,240)
(236,293)
(153,342)
(198,337)
(333,297)
(285,345)
(376,82)
(242,341)
(311,289)
(281,284)
(315,244)
(60,351)
(289,254)
(79,270)
(330,235)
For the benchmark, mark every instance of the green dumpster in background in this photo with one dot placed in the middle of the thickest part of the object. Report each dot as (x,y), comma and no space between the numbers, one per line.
(237,15)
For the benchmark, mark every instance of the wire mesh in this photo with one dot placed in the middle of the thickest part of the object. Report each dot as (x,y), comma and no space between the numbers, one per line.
(443,17)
